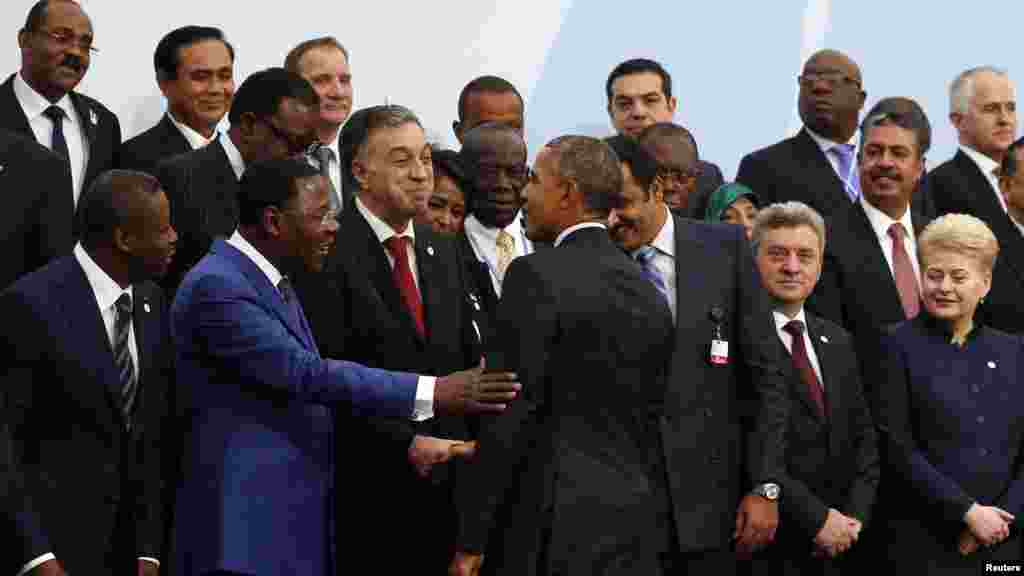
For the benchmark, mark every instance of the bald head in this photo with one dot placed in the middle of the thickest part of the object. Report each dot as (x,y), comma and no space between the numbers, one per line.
(831,97)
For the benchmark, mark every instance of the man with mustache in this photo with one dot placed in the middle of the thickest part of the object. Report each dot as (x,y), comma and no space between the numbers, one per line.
(40,102)
(87,358)
(195,71)
(323,62)
(640,95)
(983,109)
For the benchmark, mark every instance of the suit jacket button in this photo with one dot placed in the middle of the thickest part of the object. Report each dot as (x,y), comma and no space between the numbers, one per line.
(708,413)
(983,451)
(975,388)
(981,419)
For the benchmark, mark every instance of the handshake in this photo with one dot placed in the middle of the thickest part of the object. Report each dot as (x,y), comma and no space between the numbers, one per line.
(839,533)
(468,392)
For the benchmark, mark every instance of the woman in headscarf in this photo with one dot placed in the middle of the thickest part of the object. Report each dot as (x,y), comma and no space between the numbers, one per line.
(733,203)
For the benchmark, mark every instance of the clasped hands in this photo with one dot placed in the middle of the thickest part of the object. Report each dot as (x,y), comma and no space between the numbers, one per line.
(839,533)
(986,526)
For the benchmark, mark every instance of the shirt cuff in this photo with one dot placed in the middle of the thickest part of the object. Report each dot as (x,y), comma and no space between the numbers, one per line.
(148,559)
(44,558)
(423,408)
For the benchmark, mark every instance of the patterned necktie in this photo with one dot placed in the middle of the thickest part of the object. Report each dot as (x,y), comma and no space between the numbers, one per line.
(851,183)
(795,328)
(58,144)
(325,156)
(123,357)
(645,257)
(505,248)
(406,284)
(903,272)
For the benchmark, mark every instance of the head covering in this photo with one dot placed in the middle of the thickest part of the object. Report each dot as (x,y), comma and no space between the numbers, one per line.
(724,196)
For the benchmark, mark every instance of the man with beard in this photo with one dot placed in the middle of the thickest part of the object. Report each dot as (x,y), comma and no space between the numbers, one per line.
(195,71)
(40,102)
(323,62)
(87,359)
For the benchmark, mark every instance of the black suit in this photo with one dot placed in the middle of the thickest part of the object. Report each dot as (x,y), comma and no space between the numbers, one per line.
(35,224)
(93,488)
(146,150)
(569,476)
(724,425)
(476,278)
(959,186)
(797,169)
(357,313)
(99,125)
(202,189)
(831,462)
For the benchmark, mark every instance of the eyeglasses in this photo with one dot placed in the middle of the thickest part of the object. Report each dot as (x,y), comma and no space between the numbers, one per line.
(66,39)
(676,176)
(324,219)
(830,77)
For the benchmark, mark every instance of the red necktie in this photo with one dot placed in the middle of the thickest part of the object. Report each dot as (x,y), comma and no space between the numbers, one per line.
(795,328)
(903,272)
(402,274)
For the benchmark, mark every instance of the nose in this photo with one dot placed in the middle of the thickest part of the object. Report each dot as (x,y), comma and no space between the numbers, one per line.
(174,236)
(421,170)
(791,263)
(613,218)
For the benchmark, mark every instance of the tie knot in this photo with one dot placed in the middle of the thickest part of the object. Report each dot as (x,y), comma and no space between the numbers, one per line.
(505,240)
(794,328)
(324,155)
(54,112)
(123,304)
(896,231)
(844,151)
(645,254)
(397,245)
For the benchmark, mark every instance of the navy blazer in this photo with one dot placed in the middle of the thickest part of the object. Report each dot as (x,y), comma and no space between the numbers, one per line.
(257,492)
(952,420)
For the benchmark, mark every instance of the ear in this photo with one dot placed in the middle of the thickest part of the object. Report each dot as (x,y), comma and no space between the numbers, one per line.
(672,103)
(272,221)
(360,172)
(247,124)
(23,38)
(863,99)
(657,190)
(457,129)
(955,118)
(565,197)
(987,278)
(122,240)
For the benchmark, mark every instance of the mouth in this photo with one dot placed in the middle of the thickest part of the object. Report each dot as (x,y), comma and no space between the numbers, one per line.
(324,249)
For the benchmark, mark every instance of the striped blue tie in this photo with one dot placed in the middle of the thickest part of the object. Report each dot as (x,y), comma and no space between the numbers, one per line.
(123,357)
(645,257)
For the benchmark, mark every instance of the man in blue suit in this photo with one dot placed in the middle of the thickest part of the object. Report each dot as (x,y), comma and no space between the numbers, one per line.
(256,496)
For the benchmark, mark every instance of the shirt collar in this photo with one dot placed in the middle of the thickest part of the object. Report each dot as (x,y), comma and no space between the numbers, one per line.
(477,228)
(234,156)
(986,164)
(880,221)
(104,288)
(568,231)
(1019,226)
(34,104)
(261,262)
(781,319)
(195,139)
(380,228)
(665,241)
(824,143)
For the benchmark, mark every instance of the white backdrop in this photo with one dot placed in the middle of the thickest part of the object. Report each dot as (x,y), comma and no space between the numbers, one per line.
(734,62)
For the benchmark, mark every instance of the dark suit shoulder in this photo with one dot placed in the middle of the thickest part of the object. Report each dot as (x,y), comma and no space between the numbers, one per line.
(782,148)
(13,145)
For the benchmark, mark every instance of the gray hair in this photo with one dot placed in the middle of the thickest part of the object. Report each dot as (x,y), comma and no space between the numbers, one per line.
(787,215)
(594,167)
(356,133)
(961,91)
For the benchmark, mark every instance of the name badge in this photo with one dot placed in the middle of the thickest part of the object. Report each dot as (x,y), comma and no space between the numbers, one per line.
(719,352)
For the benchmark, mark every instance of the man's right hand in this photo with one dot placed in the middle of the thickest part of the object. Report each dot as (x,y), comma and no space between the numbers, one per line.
(474,392)
(48,568)
(837,535)
(426,451)
(465,564)
(990,525)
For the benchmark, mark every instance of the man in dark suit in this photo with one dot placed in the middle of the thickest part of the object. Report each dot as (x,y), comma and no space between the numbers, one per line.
(259,456)
(726,406)
(983,111)
(40,101)
(33,232)
(679,167)
(274,114)
(92,450)
(195,72)
(571,476)
(364,308)
(640,95)
(871,274)
(1001,307)
(832,465)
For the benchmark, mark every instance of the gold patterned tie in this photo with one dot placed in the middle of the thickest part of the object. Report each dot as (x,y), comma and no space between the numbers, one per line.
(506,249)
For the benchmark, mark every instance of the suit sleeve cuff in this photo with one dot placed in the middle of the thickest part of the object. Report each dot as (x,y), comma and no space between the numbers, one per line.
(423,408)
(151,560)
(28,567)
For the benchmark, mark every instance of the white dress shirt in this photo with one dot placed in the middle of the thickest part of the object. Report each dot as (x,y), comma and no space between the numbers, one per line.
(234,156)
(383,231)
(664,260)
(880,222)
(106,291)
(334,170)
(423,407)
(987,166)
(195,139)
(34,104)
(565,233)
(827,145)
(780,323)
(484,241)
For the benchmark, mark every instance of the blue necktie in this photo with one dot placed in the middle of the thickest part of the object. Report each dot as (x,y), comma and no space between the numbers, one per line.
(851,183)
(58,144)
(645,257)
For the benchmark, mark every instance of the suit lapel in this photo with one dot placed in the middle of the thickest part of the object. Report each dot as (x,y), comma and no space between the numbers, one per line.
(146,334)
(426,265)
(986,207)
(172,136)
(822,170)
(820,343)
(689,251)
(873,264)
(12,116)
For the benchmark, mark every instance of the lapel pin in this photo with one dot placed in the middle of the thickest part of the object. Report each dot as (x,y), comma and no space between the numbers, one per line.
(991,364)
(92,117)
(430,250)
(824,339)
(1,167)
(145,306)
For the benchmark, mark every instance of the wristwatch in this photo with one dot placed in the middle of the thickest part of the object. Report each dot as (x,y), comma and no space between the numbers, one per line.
(768,490)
